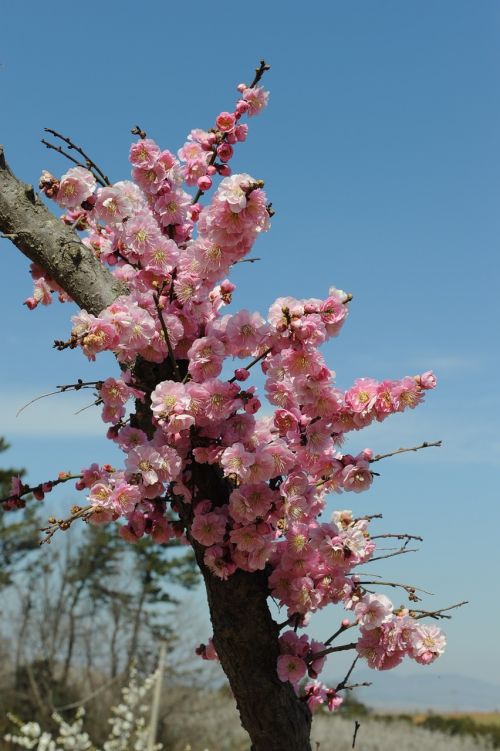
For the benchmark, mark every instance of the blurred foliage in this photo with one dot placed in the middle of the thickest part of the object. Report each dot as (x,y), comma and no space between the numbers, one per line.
(79,612)
(18,536)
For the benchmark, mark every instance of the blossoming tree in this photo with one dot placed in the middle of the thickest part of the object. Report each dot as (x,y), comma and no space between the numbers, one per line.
(246,487)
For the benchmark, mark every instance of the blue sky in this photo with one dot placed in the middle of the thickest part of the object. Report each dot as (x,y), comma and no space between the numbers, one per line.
(380,152)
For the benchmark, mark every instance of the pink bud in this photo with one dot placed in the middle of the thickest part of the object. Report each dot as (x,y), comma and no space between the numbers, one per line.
(241,374)
(225,152)
(242,107)
(241,87)
(241,132)
(194,212)
(345,623)
(227,287)
(205,182)
(211,170)
(427,380)
(224,170)
(252,406)
(310,308)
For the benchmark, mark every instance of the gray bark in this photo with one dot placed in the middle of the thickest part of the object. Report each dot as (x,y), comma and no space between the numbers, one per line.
(55,247)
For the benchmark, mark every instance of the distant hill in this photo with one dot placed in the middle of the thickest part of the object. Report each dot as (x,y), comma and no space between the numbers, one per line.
(433,691)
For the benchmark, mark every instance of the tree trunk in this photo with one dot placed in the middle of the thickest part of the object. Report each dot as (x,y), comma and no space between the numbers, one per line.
(246,640)
(245,635)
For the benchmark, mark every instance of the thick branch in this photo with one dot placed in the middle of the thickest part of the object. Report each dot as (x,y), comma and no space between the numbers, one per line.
(44,239)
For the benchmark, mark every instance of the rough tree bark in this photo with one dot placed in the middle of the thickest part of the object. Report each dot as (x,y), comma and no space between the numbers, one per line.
(245,634)
(55,247)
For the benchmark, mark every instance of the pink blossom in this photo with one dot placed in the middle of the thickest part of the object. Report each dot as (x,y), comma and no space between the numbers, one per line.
(257,98)
(124,498)
(209,529)
(427,380)
(427,642)
(217,560)
(245,331)
(225,121)
(205,358)
(357,477)
(144,153)
(372,610)
(75,186)
(154,465)
(291,668)
(111,205)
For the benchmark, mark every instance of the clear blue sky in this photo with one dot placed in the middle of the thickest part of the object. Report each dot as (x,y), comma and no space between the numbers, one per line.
(380,152)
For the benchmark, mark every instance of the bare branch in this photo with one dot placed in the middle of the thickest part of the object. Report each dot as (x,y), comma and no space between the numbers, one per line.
(418,614)
(408,588)
(77,512)
(357,726)
(339,648)
(89,163)
(401,551)
(61,389)
(259,72)
(138,131)
(402,536)
(424,445)
(43,487)
(343,682)
(247,260)
(252,363)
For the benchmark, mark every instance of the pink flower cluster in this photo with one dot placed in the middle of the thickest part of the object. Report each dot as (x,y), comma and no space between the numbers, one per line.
(385,645)
(173,256)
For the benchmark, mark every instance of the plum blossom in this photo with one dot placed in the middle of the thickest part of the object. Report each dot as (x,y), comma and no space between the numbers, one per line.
(271,469)
(75,186)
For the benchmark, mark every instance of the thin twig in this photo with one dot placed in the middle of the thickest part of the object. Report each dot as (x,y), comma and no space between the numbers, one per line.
(408,588)
(357,726)
(339,648)
(338,632)
(437,613)
(77,512)
(401,551)
(253,362)
(259,72)
(343,682)
(246,260)
(138,131)
(61,389)
(88,406)
(424,445)
(402,536)
(26,490)
(156,299)
(61,151)
(91,165)
(86,700)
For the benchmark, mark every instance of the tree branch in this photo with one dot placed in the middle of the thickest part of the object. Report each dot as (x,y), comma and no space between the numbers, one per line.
(424,445)
(44,239)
